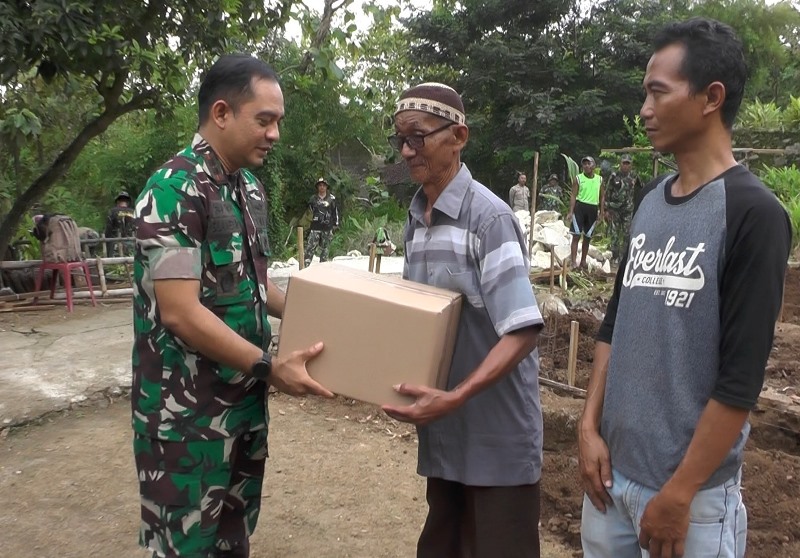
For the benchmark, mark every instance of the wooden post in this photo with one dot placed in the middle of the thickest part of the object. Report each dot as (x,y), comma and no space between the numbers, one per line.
(783,301)
(572,363)
(372,254)
(533,199)
(378,262)
(563,280)
(101,274)
(552,269)
(301,257)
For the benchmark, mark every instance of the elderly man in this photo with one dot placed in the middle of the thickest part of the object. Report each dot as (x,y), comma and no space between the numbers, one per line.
(480,440)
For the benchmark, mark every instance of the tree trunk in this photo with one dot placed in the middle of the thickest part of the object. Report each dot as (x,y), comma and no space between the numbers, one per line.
(61,165)
(321,35)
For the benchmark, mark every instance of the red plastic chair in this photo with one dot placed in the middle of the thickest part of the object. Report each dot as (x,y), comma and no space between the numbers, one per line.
(65,269)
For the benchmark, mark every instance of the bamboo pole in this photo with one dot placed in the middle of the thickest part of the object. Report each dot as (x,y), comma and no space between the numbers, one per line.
(533,199)
(558,385)
(552,269)
(301,256)
(574,337)
(101,274)
(31,308)
(23,296)
(25,264)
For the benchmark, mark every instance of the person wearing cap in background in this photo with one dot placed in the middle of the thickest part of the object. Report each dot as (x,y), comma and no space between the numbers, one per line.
(550,195)
(585,208)
(120,223)
(622,188)
(480,439)
(324,220)
(519,197)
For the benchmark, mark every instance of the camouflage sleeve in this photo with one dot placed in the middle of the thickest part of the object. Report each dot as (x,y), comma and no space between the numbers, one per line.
(171,220)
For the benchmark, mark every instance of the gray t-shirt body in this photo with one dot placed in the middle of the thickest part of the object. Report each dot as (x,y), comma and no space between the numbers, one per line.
(683,323)
(474,246)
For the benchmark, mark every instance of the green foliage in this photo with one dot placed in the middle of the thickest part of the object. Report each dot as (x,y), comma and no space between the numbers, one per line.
(762,116)
(785,182)
(573,170)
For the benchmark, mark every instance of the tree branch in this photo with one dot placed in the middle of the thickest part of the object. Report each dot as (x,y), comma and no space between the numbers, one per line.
(67,157)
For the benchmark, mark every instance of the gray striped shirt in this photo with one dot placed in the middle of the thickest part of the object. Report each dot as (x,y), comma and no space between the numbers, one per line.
(475,246)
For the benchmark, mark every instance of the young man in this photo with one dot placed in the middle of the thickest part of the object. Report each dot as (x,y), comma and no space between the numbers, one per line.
(680,357)
(585,208)
(324,220)
(201,298)
(480,441)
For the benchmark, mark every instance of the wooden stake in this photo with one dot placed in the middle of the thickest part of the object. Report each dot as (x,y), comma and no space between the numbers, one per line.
(101,274)
(372,254)
(377,262)
(552,269)
(533,199)
(574,337)
(783,301)
(301,256)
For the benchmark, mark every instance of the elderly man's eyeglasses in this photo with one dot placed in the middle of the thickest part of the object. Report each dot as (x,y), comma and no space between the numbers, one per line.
(416,141)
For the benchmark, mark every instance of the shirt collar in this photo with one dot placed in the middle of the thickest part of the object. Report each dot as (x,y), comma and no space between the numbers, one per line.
(213,166)
(449,201)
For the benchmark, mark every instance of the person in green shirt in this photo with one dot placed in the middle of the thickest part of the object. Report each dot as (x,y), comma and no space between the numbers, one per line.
(585,208)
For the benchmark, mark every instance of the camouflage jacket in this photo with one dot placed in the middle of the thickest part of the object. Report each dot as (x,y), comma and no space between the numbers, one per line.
(620,191)
(550,198)
(196,222)
(120,222)
(324,212)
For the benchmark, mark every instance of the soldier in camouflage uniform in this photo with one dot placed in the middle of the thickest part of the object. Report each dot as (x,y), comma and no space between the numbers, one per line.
(622,188)
(324,220)
(550,195)
(120,224)
(201,299)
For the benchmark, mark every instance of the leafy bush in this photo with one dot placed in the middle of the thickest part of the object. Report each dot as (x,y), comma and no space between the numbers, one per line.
(785,182)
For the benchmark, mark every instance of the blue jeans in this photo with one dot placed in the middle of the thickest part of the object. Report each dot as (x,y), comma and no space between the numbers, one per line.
(717,527)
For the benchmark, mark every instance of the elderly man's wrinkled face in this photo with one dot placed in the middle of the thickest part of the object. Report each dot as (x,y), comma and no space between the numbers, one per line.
(438,153)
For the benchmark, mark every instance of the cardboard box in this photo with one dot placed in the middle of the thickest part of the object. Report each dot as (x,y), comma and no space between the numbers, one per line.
(378,331)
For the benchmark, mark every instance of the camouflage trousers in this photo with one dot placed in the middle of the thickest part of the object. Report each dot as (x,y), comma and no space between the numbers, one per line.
(200,499)
(321,239)
(619,224)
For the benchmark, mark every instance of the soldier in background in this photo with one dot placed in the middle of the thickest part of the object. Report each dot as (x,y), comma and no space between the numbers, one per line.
(324,220)
(622,188)
(120,223)
(550,195)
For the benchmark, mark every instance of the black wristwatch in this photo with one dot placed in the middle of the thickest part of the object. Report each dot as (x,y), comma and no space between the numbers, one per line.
(263,367)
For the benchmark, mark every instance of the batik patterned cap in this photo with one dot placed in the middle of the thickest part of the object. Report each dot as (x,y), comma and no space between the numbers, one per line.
(435,98)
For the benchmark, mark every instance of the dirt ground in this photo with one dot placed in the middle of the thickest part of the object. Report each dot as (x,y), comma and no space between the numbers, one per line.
(340,483)
(340,480)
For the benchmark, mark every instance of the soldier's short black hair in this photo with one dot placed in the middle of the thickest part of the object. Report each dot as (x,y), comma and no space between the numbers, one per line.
(713,52)
(229,79)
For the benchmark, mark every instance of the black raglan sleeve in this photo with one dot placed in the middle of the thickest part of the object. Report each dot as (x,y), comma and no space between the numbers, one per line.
(757,245)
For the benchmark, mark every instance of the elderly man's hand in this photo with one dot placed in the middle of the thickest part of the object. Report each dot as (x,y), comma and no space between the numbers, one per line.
(430,404)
